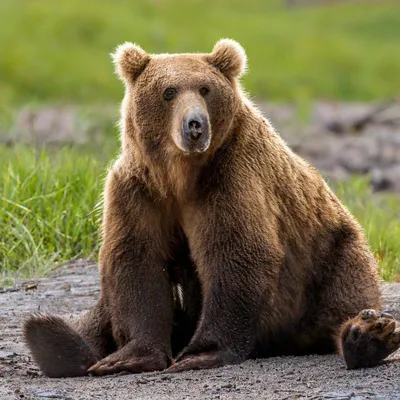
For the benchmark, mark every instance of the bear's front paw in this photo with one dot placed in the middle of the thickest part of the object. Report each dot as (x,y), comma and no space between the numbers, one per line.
(369,338)
(126,359)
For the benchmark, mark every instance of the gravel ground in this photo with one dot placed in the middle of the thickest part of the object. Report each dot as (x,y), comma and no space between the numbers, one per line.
(73,288)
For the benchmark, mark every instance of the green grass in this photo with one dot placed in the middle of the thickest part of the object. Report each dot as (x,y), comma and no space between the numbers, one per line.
(50,210)
(49,207)
(59,51)
(379,215)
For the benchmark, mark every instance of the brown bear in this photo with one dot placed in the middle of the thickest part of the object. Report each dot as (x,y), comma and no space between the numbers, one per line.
(219,243)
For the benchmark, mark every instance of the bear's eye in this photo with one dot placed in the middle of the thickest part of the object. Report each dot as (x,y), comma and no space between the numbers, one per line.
(204,91)
(169,93)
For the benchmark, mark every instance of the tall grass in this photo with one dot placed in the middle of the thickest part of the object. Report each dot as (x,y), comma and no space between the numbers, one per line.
(50,210)
(379,214)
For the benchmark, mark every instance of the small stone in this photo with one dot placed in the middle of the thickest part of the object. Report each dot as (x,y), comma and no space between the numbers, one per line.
(227,386)
(46,394)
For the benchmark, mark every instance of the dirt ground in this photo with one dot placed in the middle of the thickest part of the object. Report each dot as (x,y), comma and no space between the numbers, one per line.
(74,287)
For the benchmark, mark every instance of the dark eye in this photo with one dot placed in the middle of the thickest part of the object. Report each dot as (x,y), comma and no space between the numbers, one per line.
(169,93)
(204,91)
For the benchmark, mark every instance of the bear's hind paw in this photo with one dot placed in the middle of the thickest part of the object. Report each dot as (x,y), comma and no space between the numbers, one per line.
(368,338)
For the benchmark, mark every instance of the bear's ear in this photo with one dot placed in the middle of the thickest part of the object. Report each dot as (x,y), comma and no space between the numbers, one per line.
(130,60)
(229,57)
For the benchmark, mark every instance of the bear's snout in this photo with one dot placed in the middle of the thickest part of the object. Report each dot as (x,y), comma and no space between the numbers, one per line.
(195,131)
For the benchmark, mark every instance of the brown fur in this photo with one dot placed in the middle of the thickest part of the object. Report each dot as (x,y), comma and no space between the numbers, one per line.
(267,258)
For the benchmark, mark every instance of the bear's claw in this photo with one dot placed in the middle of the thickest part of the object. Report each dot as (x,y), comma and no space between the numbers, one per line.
(123,360)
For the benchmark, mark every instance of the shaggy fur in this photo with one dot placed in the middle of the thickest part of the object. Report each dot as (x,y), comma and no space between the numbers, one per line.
(211,254)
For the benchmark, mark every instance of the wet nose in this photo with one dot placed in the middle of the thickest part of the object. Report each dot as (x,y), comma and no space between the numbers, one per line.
(195,130)
(195,125)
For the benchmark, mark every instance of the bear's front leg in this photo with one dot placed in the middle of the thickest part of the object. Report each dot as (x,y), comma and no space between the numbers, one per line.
(134,279)
(238,259)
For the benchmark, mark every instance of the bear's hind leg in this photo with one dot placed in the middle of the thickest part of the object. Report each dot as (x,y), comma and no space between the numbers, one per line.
(347,282)
(64,350)
(368,338)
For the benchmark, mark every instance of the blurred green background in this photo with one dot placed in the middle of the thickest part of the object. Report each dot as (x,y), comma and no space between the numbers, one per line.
(59,50)
(56,53)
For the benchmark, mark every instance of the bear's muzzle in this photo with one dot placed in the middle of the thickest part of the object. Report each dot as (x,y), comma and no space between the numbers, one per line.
(195,131)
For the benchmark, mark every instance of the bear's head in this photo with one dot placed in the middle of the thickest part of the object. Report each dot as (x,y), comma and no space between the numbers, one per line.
(180,104)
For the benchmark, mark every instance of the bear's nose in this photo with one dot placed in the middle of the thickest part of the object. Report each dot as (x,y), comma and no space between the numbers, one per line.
(195,125)
(195,130)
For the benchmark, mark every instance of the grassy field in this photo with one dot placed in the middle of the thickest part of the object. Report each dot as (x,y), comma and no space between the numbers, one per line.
(50,204)
(59,51)
(379,215)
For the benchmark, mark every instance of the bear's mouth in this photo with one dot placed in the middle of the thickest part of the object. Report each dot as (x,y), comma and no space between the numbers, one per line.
(196,148)
(193,150)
